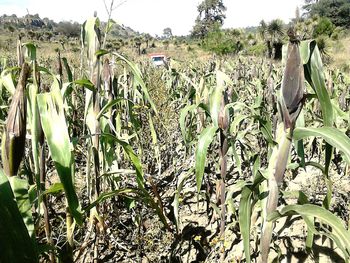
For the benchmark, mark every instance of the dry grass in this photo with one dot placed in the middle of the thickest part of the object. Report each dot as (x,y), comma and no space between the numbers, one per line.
(340,54)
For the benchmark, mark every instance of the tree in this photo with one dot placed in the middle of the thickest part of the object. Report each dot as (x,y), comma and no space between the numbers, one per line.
(272,34)
(68,29)
(147,37)
(138,42)
(336,10)
(323,27)
(211,13)
(11,29)
(167,33)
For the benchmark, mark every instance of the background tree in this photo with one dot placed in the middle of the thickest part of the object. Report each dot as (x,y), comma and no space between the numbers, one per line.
(338,11)
(11,29)
(272,34)
(167,33)
(166,44)
(147,38)
(138,42)
(211,14)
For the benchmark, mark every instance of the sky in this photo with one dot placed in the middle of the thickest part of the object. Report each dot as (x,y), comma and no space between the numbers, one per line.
(152,16)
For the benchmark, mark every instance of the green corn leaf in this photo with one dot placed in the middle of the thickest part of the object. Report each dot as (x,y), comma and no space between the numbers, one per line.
(109,25)
(108,106)
(337,232)
(55,188)
(85,83)
(56,132)
(144,195)
(245,210)
(205,138)
(15,242)
(91,37)
(67,67)
(34,123)
(31,51)
(132,156)
(138,78)
(7,81)
(20,190)
(104,196)
(331,135)
(180,182)
(183,114)
(314,74)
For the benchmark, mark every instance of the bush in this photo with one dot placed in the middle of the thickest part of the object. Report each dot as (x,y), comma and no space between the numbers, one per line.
(220,43)
(325,27)
(257,50)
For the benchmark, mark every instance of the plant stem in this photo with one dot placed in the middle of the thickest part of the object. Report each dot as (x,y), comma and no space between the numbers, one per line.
(278,162)
(70,238)
(223,170)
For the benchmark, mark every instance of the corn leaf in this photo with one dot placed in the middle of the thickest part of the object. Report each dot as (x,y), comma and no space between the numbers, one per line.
(138,78)
(15,242)
(245,211)
(56,132)
(180,182)
(20,190)
(183,114)
(331,135)
(205,138)
(314,74)
(7,81)
(132,156)
(216,97)
(337,232)
(108,106)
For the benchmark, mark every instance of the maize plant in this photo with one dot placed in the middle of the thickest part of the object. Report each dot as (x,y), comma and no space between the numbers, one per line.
(222,160)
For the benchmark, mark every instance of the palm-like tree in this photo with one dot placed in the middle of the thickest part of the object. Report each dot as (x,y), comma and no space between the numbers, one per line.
(272,34)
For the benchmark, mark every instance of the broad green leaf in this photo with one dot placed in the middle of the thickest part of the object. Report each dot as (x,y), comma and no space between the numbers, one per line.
(15,242)
(109,25)
(55,188)
(314,74)
(91,37)
(56,132)
(20,190)
(34,123)
(85,83)
(31,51)
(245,210)
(7,81)
(331,135)
(101,52)
(108,106)
(205,138)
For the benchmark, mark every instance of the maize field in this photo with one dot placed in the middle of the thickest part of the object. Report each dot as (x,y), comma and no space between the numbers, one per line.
(237,159)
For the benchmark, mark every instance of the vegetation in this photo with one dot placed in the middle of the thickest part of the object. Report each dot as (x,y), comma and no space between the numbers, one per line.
(336,10)
(237,150)
(211,15)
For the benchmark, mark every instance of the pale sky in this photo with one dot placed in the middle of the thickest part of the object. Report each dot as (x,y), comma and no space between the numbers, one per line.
(152,16)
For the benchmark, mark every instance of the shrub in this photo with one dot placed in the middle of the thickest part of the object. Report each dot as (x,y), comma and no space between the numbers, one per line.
(324,27)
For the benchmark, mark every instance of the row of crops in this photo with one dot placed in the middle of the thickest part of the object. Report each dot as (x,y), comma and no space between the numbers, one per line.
(206,152)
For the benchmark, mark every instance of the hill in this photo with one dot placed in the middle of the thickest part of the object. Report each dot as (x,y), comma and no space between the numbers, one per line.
(12,23)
